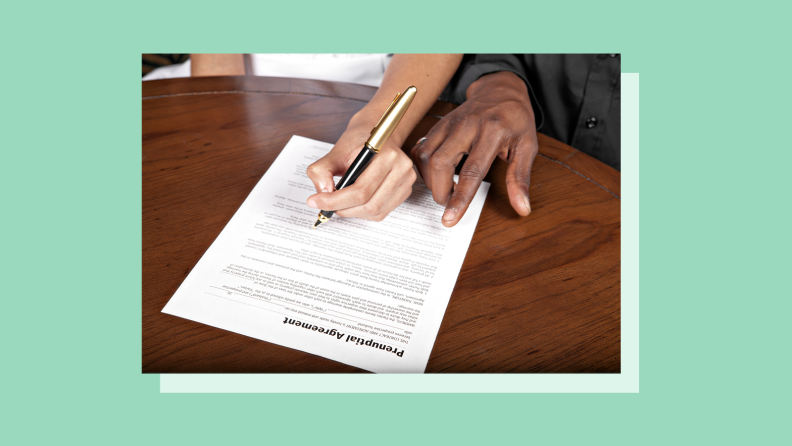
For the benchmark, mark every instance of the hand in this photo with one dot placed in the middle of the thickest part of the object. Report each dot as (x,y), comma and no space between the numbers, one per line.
(496,120)
(388,180)
(382,187)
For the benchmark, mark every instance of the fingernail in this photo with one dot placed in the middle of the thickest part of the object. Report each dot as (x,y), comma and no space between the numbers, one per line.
(325,189)
(527,204)
(449,215)
(312,203)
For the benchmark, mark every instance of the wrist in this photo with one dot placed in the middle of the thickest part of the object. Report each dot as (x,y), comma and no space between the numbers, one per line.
(365,120)
(501,80)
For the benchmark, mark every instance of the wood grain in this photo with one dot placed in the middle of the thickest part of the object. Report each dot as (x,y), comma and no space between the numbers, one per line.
(536,294)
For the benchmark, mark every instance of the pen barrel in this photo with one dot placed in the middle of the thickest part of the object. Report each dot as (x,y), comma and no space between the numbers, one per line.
(358,166)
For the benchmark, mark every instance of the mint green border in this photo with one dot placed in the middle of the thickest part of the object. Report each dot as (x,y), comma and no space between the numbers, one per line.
(625,382)
(715,238)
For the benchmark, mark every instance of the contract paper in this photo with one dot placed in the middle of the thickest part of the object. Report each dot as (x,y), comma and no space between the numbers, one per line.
(368,294)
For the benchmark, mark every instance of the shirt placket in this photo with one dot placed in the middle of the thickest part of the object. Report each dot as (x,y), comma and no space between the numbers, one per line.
(592,119)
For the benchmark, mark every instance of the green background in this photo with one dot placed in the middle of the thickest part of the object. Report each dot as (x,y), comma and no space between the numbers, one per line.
(714,222)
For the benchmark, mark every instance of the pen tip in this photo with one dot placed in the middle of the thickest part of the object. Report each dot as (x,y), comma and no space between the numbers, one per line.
(318,222)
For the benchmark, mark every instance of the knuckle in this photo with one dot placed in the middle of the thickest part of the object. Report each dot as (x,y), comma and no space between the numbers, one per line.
(411,176)
(372,208)
(361,194)
(519,178)
(528,142)
(313,169)
(471,170)
(533,145)
(421,153)
(495,120)
(458,197)
(499,131)
(460,119)
(438,162)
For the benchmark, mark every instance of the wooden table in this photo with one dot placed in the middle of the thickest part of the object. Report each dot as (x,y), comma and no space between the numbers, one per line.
(536,294)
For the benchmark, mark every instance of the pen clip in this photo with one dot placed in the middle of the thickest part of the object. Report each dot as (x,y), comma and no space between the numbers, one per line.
(386,112)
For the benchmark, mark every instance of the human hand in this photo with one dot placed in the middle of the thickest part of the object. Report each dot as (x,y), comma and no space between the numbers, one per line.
(496,120)
(382,187)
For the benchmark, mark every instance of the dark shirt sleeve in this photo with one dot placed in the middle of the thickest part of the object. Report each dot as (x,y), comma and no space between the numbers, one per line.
(575,97)
(474,66)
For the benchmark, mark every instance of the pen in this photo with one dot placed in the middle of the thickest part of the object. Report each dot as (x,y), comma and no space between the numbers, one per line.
(379,135)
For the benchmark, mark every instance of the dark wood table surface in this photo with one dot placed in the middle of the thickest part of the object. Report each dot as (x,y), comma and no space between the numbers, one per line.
(539,294)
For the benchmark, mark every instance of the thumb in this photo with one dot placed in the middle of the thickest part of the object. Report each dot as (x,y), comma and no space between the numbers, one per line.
(518,177)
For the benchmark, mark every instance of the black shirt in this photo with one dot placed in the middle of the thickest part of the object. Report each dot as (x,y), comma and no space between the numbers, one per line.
(576,98)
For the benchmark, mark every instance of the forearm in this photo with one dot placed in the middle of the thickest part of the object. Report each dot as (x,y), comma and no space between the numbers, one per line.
(217,65)
(428,72)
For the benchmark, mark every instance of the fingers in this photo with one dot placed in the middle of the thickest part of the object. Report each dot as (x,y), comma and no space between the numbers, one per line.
(445,159)
(470,177)
(396,188)
(422,153)
(518,175)
(438,156)
(376,176)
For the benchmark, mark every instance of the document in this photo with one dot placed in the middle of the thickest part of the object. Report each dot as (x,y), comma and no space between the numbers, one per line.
(368,294)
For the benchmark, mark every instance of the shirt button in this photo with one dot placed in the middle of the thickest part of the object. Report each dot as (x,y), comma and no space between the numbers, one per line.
(591,122)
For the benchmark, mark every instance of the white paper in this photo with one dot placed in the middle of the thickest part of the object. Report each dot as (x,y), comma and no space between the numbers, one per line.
(335,291)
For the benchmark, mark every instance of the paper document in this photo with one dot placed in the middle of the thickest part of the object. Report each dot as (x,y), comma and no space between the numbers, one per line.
(367,294)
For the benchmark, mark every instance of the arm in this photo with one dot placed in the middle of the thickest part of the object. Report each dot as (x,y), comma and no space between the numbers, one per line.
(388,180)
(217,65)
(428,72)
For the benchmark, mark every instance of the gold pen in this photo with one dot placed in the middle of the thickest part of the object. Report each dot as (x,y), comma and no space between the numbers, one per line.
(379,135)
